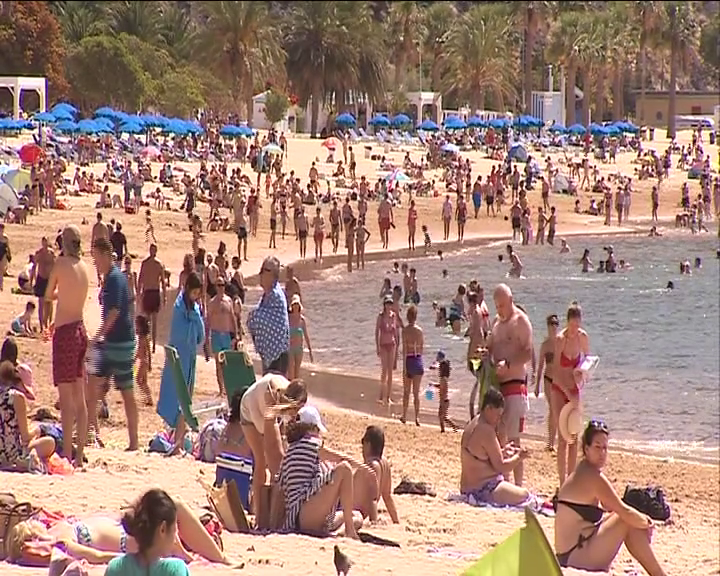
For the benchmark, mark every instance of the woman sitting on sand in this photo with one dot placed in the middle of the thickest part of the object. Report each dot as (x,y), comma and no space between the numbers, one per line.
(587,536)
(21,444)
(311,485)
(571,346)
(147,532)
(484,463)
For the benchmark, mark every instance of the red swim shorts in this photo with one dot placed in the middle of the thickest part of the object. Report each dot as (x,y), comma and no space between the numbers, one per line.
(69,345)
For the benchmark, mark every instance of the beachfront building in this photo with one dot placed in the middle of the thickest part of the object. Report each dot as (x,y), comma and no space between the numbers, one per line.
(688,103)
(19,84)
(260,121)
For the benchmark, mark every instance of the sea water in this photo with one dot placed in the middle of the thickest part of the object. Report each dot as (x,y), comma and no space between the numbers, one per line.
(656,385)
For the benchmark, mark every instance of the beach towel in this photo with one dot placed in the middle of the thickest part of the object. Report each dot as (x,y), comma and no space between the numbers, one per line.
(534,503)
(526,552)
(187,332)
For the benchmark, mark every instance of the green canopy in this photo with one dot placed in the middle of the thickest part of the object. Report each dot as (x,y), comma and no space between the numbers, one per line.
(526,552)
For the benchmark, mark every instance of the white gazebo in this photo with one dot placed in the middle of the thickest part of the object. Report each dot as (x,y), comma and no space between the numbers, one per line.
(16,85)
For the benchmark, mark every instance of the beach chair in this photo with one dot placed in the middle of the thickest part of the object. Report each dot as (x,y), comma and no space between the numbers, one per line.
(189,411)
(364,135)
(238,372)
(353,136)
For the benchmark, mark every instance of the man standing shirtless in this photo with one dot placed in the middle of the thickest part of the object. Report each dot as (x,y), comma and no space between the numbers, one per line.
(222,327)
(151,281)
(99,230)
(44,262)
(68,284)
(238,207)
(510,346)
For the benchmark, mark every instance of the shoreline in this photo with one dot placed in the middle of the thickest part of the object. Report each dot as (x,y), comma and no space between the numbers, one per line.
(352,393)
(310,270)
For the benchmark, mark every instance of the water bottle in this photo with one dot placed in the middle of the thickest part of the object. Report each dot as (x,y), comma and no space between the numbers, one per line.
(429,393)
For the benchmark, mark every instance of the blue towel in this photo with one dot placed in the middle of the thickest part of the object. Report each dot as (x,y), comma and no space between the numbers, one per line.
(187,332)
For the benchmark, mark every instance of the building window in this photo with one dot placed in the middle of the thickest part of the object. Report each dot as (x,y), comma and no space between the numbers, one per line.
(658,115)
(695,110)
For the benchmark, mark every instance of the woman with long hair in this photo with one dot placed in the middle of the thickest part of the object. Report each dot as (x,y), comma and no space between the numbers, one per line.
(299,337)
(592,522)
(187,332)
(571,346)
(544,372)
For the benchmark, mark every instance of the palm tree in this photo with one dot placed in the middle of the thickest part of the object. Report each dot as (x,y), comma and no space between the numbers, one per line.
(475,59)
(647,18)
(241,41)
(177,30)
(439,19)
(136,18)
(568,35)
(405,34)
(683,34)
(534,16)
(79,20)
(321,55)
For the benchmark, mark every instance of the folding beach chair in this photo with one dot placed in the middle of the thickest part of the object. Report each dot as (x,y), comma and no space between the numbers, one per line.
(189,411)
(238,371)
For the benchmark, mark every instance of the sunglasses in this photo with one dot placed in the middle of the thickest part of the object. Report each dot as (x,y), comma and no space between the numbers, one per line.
(599,426)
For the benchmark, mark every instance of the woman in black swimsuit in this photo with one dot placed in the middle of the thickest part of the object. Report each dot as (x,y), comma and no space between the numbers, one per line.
(587,536)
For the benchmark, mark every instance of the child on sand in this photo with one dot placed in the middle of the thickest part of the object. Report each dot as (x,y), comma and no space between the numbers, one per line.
(426,235)
(142,357)
(22,325)
(443,367)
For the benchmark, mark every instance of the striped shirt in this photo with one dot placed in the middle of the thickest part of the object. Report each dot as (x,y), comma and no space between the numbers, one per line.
(302,475)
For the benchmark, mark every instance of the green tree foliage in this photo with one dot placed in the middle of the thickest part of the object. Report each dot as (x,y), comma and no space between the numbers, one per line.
(31,44)
(123,86)
(276,105)
(179,93)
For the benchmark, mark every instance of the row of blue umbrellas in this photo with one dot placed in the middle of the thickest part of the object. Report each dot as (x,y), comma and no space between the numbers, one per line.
(232,131)
(457,123)
(611,129)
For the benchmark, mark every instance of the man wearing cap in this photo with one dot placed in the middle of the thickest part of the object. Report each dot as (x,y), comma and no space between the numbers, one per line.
(268,323)
(510,347)
(151,283)
(68,284)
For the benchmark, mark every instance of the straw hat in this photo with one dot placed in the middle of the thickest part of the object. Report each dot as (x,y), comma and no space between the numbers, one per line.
(570,422)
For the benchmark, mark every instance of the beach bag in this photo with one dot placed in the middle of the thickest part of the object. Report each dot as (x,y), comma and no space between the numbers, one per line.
(650,501)
(12,513)
(206,447)
(225,502)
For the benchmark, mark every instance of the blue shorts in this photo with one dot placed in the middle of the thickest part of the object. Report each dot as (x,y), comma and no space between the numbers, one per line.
(220,341)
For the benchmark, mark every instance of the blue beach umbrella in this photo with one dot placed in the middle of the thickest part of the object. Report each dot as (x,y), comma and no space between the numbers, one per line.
(63,114)
(230,131)
(66,126)
(499,123)
(454,123)
(244,130)
(401,120)
(129,128)
(345,119)
(476,122)
(429,126)
(66,106)
(577,129)
(557,129)
(88,126)
(45,117)
(106,111)
(380,120)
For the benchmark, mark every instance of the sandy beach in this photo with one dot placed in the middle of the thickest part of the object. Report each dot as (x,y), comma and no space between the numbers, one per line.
(436,536)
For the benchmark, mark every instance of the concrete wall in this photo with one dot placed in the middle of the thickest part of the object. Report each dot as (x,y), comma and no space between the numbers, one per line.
(688,104)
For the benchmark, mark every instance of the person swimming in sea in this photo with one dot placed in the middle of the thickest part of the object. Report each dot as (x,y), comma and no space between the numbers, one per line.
(587,264)
(457,310)
(444,273)
(685,267)
(698,262)
(564,246)
(516,265)
(654,232)
(601,266)
(670,285)
(610,263)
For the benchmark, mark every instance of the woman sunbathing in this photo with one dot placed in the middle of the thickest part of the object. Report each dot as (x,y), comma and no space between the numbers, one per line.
(588,536)
(98,539)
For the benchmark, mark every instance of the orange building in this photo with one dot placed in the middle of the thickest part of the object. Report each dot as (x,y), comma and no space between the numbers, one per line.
(688,103)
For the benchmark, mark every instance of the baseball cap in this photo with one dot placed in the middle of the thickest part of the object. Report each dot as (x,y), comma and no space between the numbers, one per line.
(310,415)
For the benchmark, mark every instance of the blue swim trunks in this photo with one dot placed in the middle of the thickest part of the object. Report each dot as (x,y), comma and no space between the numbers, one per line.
(220,341)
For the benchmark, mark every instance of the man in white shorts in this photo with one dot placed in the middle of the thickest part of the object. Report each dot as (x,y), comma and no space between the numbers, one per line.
(510,346)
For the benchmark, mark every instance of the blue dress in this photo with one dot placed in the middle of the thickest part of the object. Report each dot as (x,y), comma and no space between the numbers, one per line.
(187,332)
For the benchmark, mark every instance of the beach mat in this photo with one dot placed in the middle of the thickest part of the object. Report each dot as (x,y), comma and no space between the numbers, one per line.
(526,552)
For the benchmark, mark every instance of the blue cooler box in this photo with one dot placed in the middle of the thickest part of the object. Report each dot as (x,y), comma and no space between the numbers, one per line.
(230,467)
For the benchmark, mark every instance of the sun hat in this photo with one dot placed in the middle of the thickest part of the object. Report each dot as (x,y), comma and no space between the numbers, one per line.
(295,300)
(570,422)
(310,415)
(388,299)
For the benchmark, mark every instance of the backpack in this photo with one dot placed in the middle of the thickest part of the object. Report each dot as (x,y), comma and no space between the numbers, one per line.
(649,501)
(12,513)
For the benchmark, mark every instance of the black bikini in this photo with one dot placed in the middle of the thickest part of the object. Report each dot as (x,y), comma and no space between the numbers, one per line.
(589,513)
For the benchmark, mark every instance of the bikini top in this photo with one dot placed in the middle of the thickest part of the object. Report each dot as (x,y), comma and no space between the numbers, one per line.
(388,326)
(566,362)
(587,512)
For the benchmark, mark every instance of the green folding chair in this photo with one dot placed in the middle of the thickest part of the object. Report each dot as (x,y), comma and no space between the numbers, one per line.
(238,371)
(189,411)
